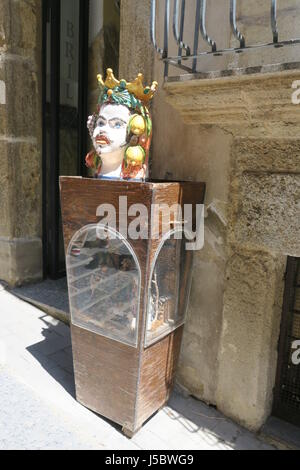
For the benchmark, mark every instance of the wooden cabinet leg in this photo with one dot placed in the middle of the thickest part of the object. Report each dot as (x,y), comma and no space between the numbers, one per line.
(129,433)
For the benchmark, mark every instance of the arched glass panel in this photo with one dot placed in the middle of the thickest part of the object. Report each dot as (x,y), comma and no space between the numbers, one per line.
(104,283)
(169,289)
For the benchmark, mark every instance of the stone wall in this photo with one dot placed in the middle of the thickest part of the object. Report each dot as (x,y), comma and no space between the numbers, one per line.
(20,141)
(187,152)
(239,135)
(199,152)
(103,44)
(262,226)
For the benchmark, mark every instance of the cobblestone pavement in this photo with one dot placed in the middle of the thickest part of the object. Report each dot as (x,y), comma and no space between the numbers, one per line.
(38,409)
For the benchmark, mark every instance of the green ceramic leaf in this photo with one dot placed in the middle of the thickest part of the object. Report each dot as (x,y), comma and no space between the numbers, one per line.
(149,126)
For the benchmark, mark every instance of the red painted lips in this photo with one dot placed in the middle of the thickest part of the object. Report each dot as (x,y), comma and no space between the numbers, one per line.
(102,140)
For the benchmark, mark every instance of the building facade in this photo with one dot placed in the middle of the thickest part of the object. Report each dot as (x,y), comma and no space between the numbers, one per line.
(238,132)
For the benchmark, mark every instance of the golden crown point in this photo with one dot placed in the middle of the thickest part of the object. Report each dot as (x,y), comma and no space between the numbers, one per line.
(110,82)
(144,94)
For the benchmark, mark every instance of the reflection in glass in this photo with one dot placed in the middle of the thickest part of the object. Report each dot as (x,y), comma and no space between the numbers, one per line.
(104,284)
(170,287)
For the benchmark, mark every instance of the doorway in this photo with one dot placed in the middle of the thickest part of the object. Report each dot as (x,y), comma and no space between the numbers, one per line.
(287,389)
(65,84)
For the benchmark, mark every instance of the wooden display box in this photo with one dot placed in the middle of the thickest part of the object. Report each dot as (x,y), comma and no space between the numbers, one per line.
(128,297)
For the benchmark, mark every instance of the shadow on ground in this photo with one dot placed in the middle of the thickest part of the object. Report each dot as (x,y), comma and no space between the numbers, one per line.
(182,414)
(54,353)
(196,417)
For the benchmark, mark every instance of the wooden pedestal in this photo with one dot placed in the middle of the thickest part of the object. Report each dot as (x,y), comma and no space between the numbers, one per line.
(125,378)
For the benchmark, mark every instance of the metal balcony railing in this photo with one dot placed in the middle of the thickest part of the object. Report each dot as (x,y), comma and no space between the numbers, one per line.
(189,53)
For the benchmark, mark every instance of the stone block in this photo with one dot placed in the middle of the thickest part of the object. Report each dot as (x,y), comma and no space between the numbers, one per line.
(19,26)
(264,209)
(96,57)
(5,199)
(3,101)
(136,51)
(269,212)
(20,179)
(21,116)
(250,331)
(265,155)
(28,197)
(20,260)
(248,102)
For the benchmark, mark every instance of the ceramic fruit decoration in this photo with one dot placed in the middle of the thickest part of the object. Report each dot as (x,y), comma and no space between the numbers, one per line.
(121,129)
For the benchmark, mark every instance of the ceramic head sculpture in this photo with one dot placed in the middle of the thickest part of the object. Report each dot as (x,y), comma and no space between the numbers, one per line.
(121,129)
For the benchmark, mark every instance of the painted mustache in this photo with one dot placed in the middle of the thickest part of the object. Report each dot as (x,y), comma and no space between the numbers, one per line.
(102,139)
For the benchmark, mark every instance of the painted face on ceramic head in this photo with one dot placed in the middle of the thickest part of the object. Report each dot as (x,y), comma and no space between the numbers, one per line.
(111,128)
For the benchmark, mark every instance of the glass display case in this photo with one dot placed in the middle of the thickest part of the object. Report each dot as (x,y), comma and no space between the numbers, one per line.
(170,276)
(128,296)
(104,283)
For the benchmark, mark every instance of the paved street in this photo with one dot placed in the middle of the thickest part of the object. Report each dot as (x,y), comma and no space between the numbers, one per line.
(38,409)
